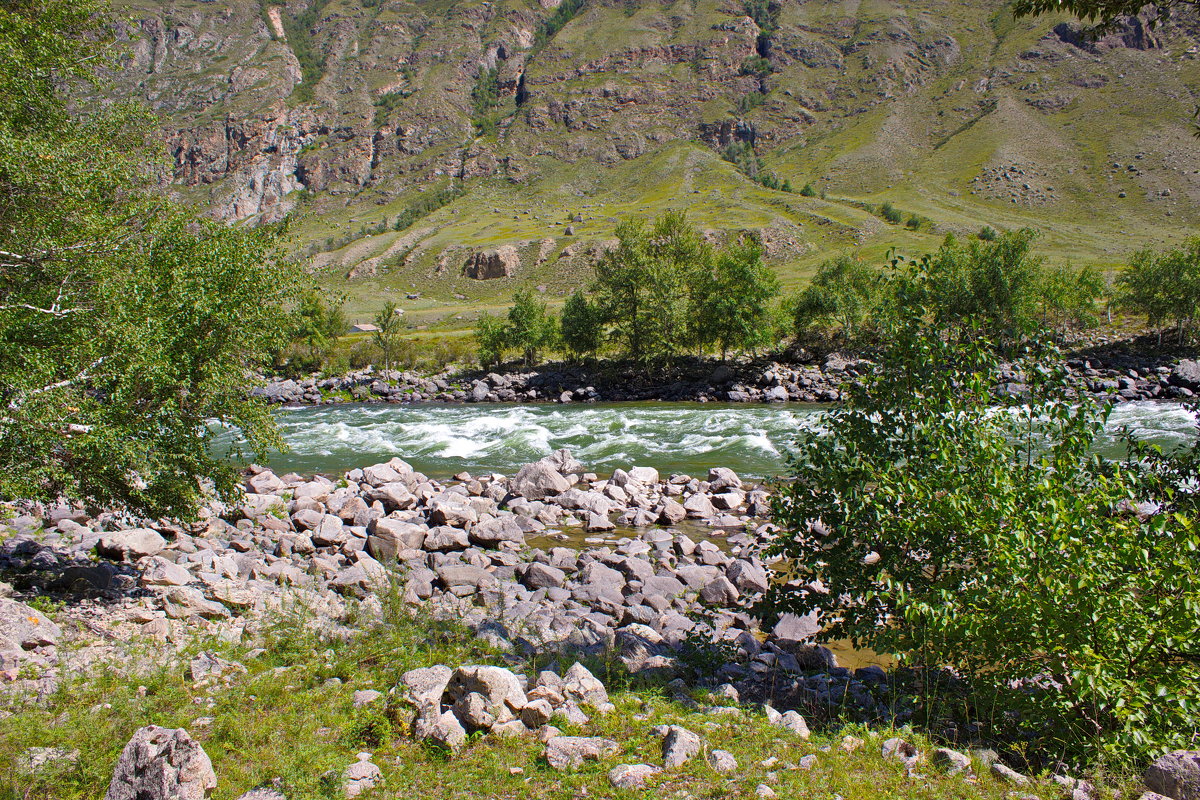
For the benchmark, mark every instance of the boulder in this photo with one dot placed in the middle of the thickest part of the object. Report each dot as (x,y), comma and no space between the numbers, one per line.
(497,685)
(425,685)
(1186,374)
(130,545)
(950,761)
(631,776)
(721,478)
(542,576)
(580,684)
(386,537)
(160,572)
(567,752)
(679,746)
(162,764)
(1176,775)
(494,531)
(182,602)
(23,627)
(722,761)
(361,776)
(486,265)
(539,481)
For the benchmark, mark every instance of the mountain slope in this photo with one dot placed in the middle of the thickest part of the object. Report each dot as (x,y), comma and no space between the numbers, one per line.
(552,121)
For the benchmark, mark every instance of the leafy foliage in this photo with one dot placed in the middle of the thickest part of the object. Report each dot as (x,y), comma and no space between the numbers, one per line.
(126,325)
(427,205)
(388,324)
(566,11)
(530,327)
(1165,286)
(997,543)
(298,28)
(491,335)
(582,327)
(733,301)
(642,286)
(845,298)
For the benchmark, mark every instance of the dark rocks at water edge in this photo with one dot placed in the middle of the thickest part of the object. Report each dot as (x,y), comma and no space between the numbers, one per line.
(1117,377)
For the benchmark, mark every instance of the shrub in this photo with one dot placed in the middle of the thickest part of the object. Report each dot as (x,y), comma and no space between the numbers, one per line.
(581,325)
(845,296)
(996,543)
(890,213)
(808,190)
(1165,286)
(987,233)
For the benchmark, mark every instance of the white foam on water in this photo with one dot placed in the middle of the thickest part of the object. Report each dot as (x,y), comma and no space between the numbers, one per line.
(685,437)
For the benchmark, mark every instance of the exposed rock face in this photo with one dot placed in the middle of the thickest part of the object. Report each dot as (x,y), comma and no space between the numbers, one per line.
(162,764)
(1175,775)
(486,265)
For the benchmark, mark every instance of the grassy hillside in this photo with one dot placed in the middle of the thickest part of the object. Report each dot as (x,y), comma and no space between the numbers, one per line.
(955,112)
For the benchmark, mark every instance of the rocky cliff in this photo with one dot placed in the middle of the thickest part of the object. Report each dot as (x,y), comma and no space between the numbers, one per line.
(549,115)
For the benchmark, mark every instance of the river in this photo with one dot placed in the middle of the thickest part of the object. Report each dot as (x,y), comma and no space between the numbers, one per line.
(441,440)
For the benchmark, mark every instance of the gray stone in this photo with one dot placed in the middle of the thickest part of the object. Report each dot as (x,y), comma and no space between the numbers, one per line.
(426,685)
(361,776)
(566,752)
(538,481)
(721,478)
(329,532)
(160,572)
(24,628)
(897,749)
(580,684)
(474,711)
(720,591)
(1009,775)
(495,531)
(722,761)
(1176,775)
(631,776)
(542,576)
(182,602)
(747,576)
(950,761)
(679,746)
(130,545)
(465,575)
(444,538)
(498,686)
(162,764)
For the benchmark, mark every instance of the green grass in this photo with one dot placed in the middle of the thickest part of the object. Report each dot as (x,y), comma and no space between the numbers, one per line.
(288,721)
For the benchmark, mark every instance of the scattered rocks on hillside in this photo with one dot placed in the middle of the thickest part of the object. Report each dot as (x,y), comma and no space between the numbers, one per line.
(162,764)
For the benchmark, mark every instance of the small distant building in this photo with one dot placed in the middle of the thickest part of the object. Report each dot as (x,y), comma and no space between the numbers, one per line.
(363,327)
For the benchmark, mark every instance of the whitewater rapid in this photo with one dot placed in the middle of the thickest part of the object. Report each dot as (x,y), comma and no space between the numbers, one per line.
(442,440)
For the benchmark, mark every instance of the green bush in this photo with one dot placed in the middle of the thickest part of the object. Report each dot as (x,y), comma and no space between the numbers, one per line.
(808,190)
(890,213)
(1165,286)
(996,543)
(987,233)
(581,325)
(845,298)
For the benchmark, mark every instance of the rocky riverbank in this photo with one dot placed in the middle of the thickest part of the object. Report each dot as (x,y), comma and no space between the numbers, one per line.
(107,593)
(1114,375)
(460,549)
